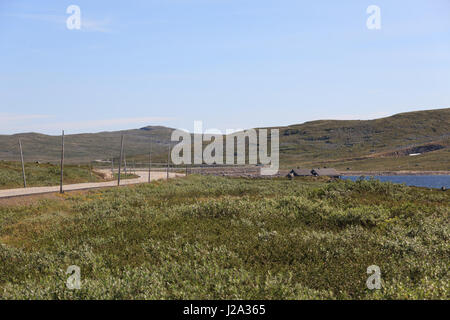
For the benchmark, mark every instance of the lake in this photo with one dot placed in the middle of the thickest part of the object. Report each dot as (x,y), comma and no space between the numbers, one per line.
(435,181)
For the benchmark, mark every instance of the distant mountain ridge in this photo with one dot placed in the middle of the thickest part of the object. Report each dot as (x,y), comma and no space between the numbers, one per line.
(309,142)
(86,146)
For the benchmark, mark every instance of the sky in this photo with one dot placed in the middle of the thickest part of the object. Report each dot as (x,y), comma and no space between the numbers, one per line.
(230,63)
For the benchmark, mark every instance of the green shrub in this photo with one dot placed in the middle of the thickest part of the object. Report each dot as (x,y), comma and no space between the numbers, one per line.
(227,238)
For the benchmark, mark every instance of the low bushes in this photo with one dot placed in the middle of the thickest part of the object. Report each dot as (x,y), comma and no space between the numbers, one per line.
(217,238)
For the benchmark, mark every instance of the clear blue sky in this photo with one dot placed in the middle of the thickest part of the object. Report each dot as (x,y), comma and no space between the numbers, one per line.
(231,63)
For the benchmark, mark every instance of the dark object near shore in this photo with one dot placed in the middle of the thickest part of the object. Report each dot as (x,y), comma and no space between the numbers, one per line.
(444,189)
(327,172)
(300,173)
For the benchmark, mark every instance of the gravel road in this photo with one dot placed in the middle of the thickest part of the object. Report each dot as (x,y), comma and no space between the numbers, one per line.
(143,177)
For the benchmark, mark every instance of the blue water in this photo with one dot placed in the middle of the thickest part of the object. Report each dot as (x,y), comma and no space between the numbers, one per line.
(436,181)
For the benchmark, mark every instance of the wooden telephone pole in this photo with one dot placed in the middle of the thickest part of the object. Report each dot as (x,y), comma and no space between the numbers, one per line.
(150,162)
(62,163)
(120,161)
(23,165)
(112,165)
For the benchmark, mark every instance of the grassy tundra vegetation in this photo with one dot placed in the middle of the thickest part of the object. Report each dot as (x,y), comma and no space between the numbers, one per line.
(44,174)
(437,160)
(230,238)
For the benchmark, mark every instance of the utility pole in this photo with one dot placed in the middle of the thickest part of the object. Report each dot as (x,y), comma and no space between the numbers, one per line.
(120,161)
(112,166)
(62,163)
(150,162)
(23,165)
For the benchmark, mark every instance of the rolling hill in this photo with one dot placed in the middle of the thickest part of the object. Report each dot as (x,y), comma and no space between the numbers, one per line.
(85,147)
(356,144)
(352,141)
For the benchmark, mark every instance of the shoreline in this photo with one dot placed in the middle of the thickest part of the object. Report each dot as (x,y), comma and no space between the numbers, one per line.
(394,173)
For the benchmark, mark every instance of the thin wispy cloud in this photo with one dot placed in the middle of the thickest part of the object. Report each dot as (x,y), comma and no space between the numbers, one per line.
(14,123)
(96,25)
(8,117)
(87,24)
(102,124)
(40,123)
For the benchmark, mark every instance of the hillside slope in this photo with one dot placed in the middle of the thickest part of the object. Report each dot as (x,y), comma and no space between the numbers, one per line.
(84,147)
(340,143)
(349,139)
